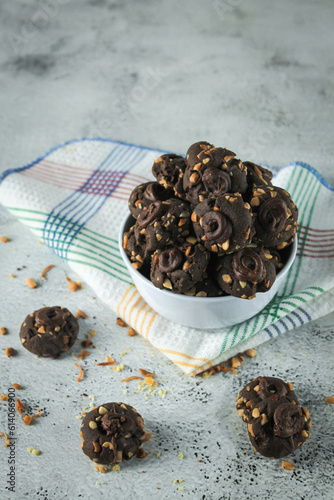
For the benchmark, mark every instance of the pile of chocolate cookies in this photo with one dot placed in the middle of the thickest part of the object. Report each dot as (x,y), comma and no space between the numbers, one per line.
(210,225)
(277,425)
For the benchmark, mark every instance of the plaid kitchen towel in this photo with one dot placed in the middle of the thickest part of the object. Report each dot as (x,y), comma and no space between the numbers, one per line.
(79,216)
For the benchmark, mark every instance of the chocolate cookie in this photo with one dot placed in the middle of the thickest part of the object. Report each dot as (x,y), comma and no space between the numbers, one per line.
(112,432)
(160,224)
(277,427)
(179,268)
(144,194)
(50,331)
(224,224)
(260,389)
(211,172)
(135,248)
(246,272)
(275,216)
(168,170)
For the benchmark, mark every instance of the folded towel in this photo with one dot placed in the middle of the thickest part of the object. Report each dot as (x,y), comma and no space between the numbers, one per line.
(74,198)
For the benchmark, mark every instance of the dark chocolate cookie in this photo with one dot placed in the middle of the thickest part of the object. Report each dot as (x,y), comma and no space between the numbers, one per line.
(160,224)
(50,331)
(224,224)
(246,272)
(144,194)
(277,426)
(112,432)
(169,170)
(211,172)
(275,216)
(260,389)
(179,268)
(135,248)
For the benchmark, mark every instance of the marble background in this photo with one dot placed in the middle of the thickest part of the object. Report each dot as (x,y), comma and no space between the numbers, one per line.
(256,77)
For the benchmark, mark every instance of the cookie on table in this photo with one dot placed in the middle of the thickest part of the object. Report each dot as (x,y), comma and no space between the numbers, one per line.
(277,426)
(144,194)
(246,272)
(260,389)
(179,268)
(49,331)
(169,170)
(275,216)
(211,172)
(112,432)
(223,224)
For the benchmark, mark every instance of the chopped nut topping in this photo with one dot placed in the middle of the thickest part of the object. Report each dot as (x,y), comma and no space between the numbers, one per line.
(92,425)
(264,419)
(290,386)
(256,413)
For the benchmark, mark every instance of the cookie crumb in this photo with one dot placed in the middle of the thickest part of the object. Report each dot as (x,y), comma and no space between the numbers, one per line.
(12,275)
(17,386)
(118,368)
(142,453)
(132,332)
(4,239)
(181,456)
(287,465)
(251,353)
(4,397)
(33,451)
(31,283)
(9,351)
(72,285)
(3,330)
(330,400)
(27,419)
(3,434)
(120,322)
(80,314)
(44,272)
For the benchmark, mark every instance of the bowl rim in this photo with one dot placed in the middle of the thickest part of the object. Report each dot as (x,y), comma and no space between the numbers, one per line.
(186,298)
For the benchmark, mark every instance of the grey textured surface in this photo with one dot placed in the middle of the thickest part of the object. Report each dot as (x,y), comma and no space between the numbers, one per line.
(256,77)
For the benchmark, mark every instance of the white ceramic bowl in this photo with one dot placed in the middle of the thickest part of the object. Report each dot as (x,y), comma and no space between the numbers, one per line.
(201,312)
